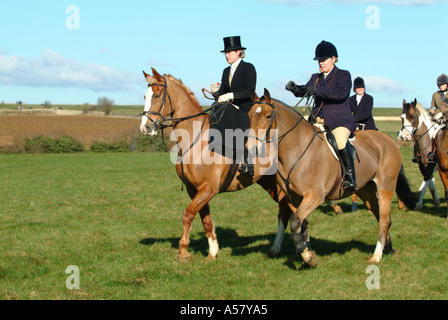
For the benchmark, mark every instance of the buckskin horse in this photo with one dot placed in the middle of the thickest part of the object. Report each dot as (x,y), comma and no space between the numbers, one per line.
(169,103)
(417,125)
(309,174)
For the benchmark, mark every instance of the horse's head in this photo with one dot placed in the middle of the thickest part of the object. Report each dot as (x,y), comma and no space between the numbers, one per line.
(157,103)
(262,113)
(261,117)
(409,120)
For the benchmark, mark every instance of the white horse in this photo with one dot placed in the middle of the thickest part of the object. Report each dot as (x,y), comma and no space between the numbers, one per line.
(418,126)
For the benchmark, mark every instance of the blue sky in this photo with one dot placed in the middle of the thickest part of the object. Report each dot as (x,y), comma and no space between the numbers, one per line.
(398,46)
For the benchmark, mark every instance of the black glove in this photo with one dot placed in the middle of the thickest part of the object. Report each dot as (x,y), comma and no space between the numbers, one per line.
(291,86)
(311,90)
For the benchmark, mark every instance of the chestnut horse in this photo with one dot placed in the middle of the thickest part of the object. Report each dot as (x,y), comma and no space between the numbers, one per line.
(310,175)
(169,103)
(417,124)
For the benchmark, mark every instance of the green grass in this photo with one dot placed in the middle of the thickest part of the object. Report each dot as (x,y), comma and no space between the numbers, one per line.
(117,216)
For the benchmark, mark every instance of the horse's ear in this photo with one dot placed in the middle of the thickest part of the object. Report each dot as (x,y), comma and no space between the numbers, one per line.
(156,75)
(415,101)
(149,78)
(267,95)
(253,95)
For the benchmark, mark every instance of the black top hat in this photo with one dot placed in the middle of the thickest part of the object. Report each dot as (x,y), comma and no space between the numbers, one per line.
(232,43)
(325,50)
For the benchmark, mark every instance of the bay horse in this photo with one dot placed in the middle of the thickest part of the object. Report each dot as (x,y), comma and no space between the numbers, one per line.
(169,102)
(417,124)
(309,174)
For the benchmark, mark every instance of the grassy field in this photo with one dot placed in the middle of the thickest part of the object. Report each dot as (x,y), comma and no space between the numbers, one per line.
(117,217)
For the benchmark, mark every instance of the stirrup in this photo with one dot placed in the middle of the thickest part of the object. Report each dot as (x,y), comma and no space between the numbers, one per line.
(348,183)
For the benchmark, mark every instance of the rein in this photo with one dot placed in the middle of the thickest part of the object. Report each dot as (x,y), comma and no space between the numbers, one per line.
(316,134)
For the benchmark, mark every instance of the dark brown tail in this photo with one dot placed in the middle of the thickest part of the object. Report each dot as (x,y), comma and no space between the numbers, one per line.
(404,191)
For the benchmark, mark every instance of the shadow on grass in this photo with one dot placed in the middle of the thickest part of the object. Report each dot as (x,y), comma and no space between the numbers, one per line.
(429,208)
(245,245)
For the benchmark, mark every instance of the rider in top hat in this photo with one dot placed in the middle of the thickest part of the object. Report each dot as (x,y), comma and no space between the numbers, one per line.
(236,84)
(331,87)
(439,108)
(362,105)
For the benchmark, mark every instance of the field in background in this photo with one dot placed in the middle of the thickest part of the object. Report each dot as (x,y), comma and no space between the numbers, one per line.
(117,217)
(122,125)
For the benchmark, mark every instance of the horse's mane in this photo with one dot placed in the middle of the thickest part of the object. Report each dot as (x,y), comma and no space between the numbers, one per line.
(184,87)
(286,106)
(423,111)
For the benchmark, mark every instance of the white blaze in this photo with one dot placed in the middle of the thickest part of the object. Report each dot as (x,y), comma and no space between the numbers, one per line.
(148,98)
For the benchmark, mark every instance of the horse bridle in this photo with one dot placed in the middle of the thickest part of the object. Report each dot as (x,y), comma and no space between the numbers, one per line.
(418,137)
(163,119)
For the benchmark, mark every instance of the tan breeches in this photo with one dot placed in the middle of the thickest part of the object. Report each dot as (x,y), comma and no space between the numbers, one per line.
(341,135)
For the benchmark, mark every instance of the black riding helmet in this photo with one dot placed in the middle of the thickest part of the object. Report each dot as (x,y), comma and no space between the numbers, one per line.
(325,50)
(442,79)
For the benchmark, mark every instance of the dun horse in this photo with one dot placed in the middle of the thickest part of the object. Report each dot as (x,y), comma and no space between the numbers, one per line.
(417,124)
(169,103)
(310,175)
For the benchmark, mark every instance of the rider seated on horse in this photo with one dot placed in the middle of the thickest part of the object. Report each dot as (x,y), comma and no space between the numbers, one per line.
(439,108)
(236,84)
(331,87)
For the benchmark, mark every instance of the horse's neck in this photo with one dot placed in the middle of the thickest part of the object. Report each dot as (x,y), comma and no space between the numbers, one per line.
(184,106)
(289,121)
(425,125)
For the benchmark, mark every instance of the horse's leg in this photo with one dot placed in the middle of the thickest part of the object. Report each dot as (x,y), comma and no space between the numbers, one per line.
(400,204)
(299,229)
(336,208)
(421,194)
(354,202)
(384,223)
(209,228)
(444,178)
(200,199)
(269,184)
(435,196)
(284,214)
(379,204)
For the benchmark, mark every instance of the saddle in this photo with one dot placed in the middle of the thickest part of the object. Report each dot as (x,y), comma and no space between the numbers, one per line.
(331,142)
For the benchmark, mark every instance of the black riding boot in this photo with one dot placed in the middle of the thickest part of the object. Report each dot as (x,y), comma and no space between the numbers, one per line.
(349,178)
(246,167)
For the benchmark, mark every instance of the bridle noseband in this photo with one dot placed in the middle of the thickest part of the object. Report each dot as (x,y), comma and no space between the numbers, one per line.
(163,119)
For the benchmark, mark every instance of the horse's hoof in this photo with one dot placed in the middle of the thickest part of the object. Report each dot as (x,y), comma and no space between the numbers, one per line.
(273,253)
(309,258)
(210,258)
(184,257)
(375,259)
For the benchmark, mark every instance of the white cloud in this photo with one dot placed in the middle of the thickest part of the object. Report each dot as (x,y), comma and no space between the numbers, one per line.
(391,2)
(381,84)
(54,70)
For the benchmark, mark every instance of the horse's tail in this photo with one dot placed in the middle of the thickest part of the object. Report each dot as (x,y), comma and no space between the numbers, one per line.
(404,192)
